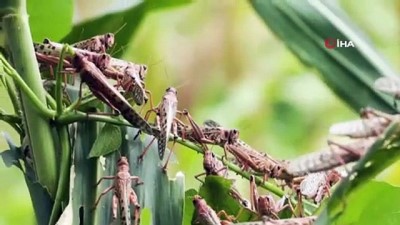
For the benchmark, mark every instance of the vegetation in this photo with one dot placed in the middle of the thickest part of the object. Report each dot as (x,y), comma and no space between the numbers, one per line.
(62,161)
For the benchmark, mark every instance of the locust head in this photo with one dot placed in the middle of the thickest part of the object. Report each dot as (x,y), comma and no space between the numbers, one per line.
(333,177)
(142,71)
(171,90)
(233,136)
(200,205)
(123,164)
(266,202)
(108,40)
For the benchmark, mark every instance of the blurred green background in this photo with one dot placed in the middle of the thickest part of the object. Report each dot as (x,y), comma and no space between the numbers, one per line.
(229,67)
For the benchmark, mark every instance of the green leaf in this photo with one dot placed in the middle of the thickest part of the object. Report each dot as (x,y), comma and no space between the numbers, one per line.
(108,140)
(189,208)
(365,207)
(41,200)
(125,22)
(11,157)
(350,72)
(215,191)
(50,18)
(382,154)
(162,197)
(83,194)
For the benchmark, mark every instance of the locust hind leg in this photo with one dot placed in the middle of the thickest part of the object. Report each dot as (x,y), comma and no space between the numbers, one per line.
(146,117)
(141,156)
(175,133)
(134,201)
(199,175)
(114,207)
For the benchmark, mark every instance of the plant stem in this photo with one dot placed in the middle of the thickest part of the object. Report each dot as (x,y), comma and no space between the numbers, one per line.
(19,43)
(72,117)
(65,163)
(13,120)
(59,81)
(33,98)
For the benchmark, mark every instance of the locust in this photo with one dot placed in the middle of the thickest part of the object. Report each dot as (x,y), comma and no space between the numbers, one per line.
(165,116)
(265,205)
(259,163)
(205,215)
(97,83)
(123,195)
(371,124)
(247,157)
(388,85)
(99,43)
(132,80)
(333,156)
(292,221)
(194,133)
(212,166)
(316,185)
(129,76)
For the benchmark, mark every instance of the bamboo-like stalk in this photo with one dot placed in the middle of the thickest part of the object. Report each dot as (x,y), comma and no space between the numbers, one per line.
(37,127)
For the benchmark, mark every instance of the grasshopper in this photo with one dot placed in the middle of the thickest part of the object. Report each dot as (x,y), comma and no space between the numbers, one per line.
(265,205)
(326,159)
(165,121)
(99,43)
(123,193)
(247,157)
(195,133)
(205,215)
(212,166)
(262,164)
(129,76)
(372,124)
(316,185)
(292,221)
(388,85)
(97,83)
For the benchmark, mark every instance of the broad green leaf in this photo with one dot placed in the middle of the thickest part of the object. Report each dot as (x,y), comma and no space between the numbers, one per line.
(373,203)
(108,140)
(50,18)
(350,72)
(382,154)
(125,22)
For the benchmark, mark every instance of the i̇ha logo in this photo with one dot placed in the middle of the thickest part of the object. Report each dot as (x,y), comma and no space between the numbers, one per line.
(337,43)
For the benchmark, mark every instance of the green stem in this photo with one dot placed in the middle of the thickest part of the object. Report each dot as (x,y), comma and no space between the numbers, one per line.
(19,43)
(65,162)
(59,80)
(33,98)
(13,120)
(50,101)
(12,93)
(72,117)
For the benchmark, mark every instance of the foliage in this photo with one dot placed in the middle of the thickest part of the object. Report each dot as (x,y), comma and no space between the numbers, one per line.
(301,26)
